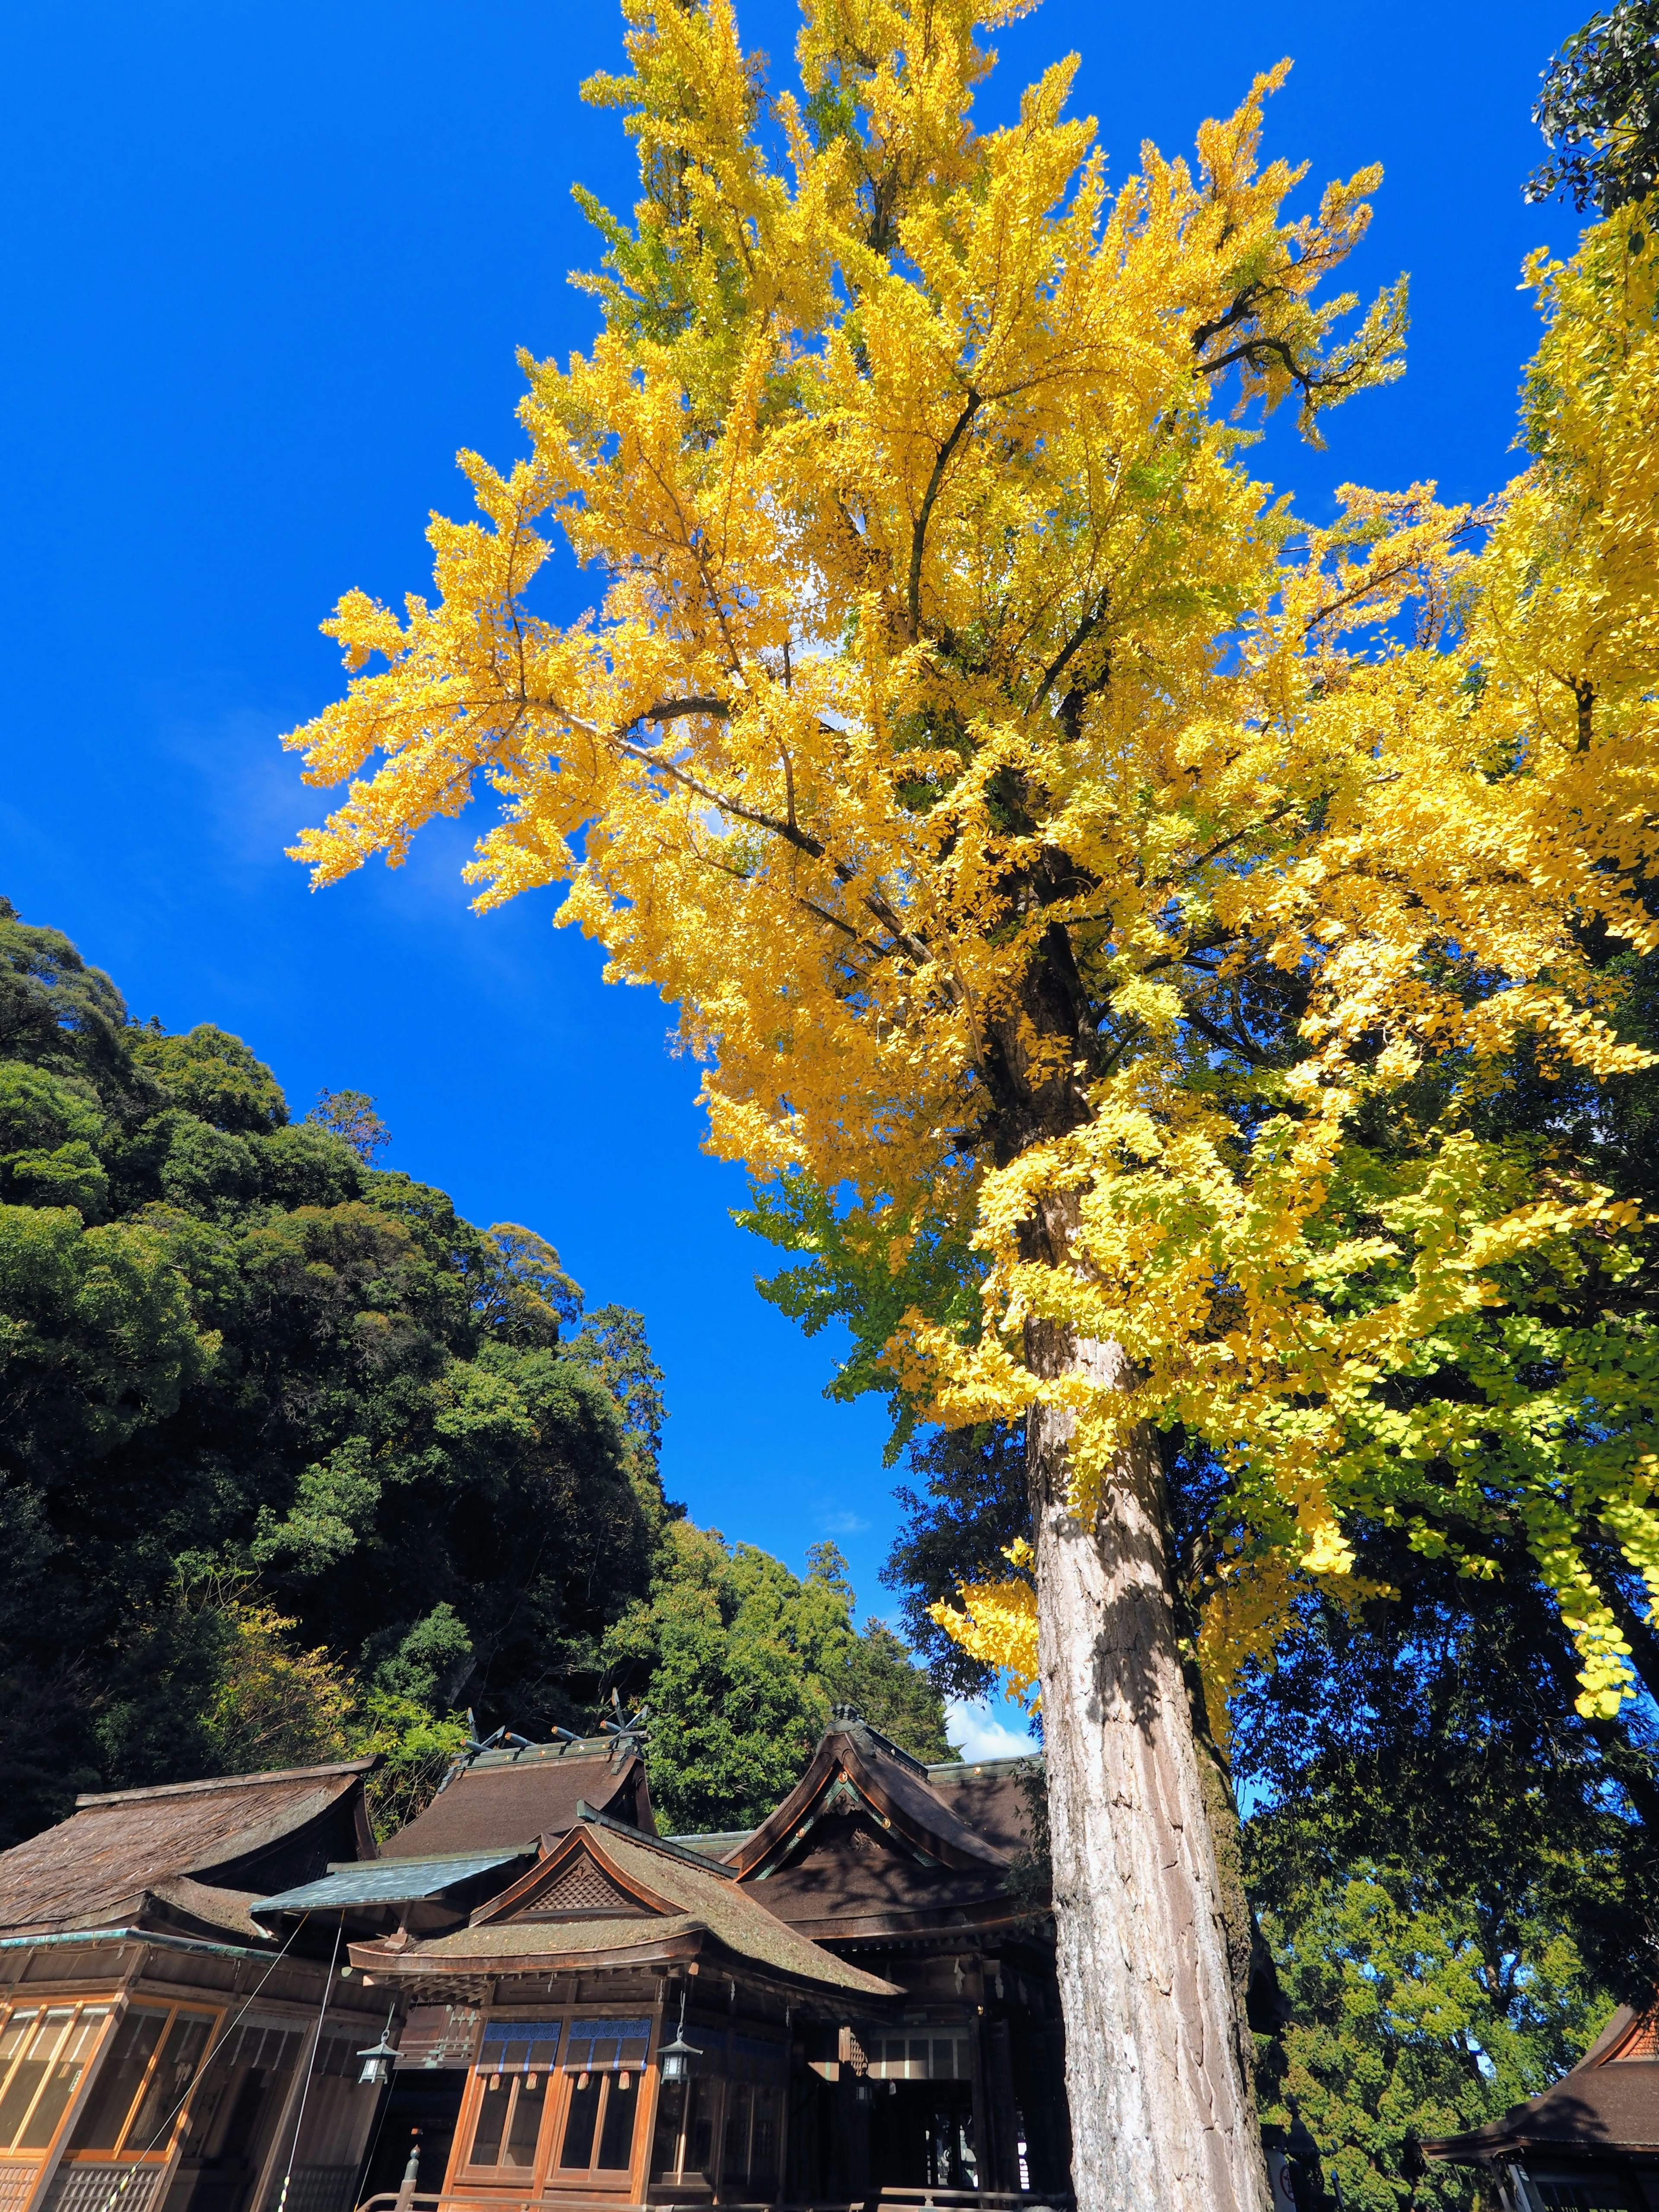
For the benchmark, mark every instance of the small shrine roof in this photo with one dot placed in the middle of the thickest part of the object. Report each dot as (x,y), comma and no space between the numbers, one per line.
(389,1881)
(664,1905)
(502,1801)
(854,1762)
(1608,2103)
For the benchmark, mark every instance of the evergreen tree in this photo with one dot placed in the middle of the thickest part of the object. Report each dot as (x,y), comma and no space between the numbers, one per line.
(247,1378)
(741,1661)
(293,1460)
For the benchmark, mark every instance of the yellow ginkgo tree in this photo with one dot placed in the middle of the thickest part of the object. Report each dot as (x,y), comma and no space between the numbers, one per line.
(960,737)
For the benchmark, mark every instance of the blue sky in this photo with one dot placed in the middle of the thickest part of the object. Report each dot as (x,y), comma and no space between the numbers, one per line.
(266,268)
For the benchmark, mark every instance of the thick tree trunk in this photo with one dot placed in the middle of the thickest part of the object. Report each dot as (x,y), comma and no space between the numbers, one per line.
(1157,2051)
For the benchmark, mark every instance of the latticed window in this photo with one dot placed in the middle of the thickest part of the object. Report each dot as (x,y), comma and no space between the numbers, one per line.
(723,2126)
(931,2058)
(603,2059)
(44,2052)
(515,2061)
(141,2087)
(566,2091)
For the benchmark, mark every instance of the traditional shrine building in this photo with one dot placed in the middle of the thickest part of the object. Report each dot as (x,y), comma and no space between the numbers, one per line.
(855,1999)
(1590,2143)
(867,2004)
(155,2039)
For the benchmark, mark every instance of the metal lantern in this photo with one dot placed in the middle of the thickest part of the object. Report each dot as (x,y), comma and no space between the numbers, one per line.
(377,2059)
(675,2058)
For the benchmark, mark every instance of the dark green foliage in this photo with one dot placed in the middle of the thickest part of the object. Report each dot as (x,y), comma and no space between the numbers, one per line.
(1449,1865)
(1438,1730)
(1599,110)
(1412,2014)
(957,1528)
(228,1345)
(883,1683)
(740,1663)
(292,1457)
(351,1115)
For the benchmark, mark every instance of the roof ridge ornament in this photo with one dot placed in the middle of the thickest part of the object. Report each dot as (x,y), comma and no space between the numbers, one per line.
(503,1738)
(626,1731)
(848,1720)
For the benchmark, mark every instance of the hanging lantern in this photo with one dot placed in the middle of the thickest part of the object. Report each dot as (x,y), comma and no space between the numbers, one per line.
(378,2058)
(675,2058)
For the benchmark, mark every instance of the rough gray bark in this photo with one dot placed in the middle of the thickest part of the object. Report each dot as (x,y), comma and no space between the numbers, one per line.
(1156,2052)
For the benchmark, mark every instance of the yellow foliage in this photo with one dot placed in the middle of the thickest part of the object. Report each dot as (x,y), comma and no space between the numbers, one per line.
(997,1623)
(275,1706)
(959,722)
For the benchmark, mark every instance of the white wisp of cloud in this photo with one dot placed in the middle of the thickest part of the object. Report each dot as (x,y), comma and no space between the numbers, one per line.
(974,1726)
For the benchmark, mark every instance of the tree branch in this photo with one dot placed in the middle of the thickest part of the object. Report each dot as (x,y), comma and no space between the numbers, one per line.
(975,402)
(1079,638)
(1221,1037)
(1251,350)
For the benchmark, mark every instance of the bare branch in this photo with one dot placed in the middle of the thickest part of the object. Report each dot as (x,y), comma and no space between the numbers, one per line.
(799,838)
(1222,1037)
(675,710)
(1253,349)
(1375,582)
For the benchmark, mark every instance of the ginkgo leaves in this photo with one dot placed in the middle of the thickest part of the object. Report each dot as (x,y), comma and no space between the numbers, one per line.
(1015,808)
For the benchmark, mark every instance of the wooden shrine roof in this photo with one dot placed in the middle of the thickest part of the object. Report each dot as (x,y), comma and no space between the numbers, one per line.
(604,1895)
(195,1851)
(871,1843)
(505,1799)
(1609,2104)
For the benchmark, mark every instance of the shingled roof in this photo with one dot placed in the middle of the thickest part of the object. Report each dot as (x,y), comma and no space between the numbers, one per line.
(186,1852)
(505,1799)
(989,1797)
(871,1844)
(606,1894)
(856,1761)
(1609,2104)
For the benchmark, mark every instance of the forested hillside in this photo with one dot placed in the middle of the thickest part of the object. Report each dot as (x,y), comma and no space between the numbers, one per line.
(295,1461)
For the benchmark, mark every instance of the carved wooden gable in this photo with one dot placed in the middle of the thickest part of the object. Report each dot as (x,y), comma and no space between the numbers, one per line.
(575,1884)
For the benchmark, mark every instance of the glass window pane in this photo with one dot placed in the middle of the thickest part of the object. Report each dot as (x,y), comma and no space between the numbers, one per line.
(169,2084)
(63,2079)
(11,2036)
(31,2070)
(528,2107)
(763,2142)
(671,2121)
(580,2120)
(99,2127)
(492,2119)
(19,2093)
(734,2164)
(621,2108)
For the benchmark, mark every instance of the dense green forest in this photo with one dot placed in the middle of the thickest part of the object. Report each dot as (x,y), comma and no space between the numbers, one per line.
(295,1461)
